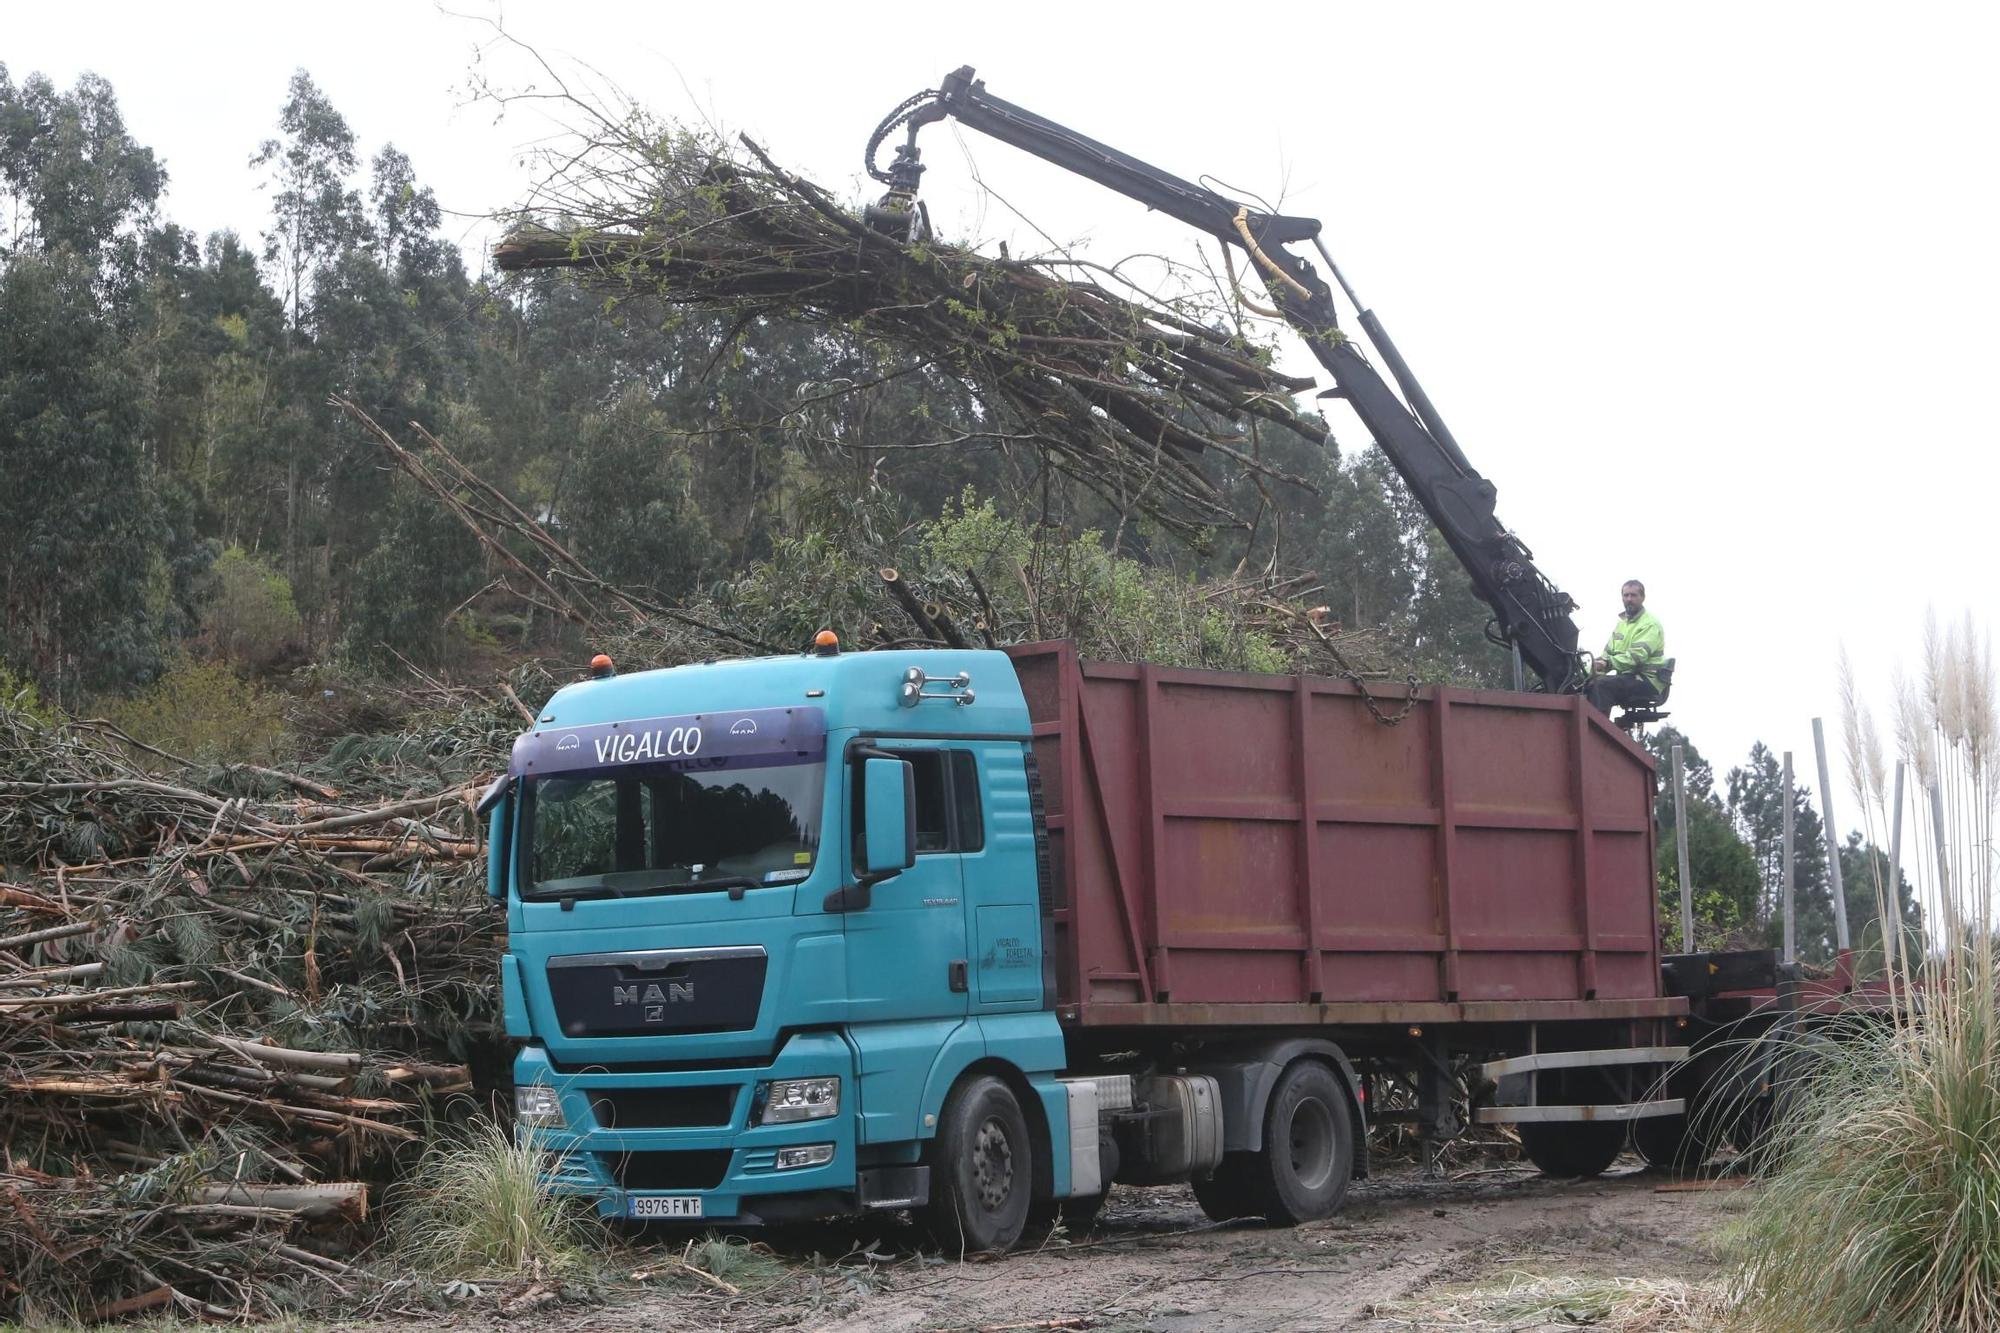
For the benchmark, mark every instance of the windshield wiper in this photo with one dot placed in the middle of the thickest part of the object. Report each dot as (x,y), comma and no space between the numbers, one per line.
(734,883)
(634,884)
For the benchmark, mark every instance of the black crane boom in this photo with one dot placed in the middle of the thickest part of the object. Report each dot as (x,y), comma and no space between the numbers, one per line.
(1530,613)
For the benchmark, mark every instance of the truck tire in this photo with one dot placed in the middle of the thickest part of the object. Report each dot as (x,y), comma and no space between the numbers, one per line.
(1232,1191)
(1572,1149)
(1757,1128)
(1671,1143)
(1308,1157)
(982,1169)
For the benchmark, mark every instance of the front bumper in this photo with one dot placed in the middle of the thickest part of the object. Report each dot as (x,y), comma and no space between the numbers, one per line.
(689,1133)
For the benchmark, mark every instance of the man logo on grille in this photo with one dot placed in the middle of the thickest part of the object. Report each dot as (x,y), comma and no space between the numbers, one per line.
(676,992)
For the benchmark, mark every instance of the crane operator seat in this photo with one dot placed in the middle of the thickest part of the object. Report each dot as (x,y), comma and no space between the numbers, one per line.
(1634,717)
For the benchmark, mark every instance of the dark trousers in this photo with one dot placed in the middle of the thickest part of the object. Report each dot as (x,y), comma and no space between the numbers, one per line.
(1620,691)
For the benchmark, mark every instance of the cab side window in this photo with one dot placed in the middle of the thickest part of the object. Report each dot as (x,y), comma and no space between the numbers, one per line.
(948,813)
(933,809)
(968,828)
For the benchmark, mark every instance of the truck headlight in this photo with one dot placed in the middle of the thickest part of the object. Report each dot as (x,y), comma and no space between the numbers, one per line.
(801,1099)
(537,1106)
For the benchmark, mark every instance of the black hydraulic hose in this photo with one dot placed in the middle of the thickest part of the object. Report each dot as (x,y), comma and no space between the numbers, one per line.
(902,111)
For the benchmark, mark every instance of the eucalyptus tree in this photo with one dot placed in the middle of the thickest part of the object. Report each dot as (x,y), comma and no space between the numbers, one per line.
(97,558)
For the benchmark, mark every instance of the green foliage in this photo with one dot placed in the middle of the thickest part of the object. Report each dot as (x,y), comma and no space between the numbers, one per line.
(203,711)
(163,399)
(1728,891)
(82,520)
(1756,804)
(1736,859)
(98,550)
(18,695)
(403,591)
(971,534)
(808,583)
(1114,606)
(626,506)
(1385,568)
(250,621)
(77,183)
(315,214)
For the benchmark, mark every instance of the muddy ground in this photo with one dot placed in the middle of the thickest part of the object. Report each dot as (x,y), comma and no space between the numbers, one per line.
(1405,1253)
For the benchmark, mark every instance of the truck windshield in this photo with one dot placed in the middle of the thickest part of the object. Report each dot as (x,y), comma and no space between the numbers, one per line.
(649,829)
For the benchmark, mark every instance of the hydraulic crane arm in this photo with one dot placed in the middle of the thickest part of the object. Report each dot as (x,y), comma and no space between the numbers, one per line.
(1529,612)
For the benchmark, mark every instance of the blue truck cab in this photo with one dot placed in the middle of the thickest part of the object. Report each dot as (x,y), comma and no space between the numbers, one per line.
(775,930)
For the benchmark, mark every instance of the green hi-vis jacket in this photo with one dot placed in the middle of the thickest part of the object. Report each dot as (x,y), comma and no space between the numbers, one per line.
(1637,645)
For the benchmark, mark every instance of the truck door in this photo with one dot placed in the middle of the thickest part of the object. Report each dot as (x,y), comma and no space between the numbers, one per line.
(1002,886)
(906,951)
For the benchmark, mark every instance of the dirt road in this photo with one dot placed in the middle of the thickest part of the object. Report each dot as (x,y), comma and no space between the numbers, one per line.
(1405,1253)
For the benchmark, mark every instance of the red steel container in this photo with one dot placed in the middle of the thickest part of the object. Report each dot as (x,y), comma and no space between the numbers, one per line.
(1233,848)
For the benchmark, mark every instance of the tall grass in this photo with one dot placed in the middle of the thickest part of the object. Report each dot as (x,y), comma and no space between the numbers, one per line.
(477,1205)
(1882,1202)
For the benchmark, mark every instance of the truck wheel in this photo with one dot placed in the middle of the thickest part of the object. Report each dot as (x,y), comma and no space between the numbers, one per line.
(1302,1174)
(1232,1191)
(1572,1149)
(1750,1129)
(983,1169)
(1670,1143)
(1756,1129)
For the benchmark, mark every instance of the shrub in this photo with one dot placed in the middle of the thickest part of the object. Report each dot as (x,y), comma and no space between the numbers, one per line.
(203,711)
(251,622)
(19,695)
(1112,605)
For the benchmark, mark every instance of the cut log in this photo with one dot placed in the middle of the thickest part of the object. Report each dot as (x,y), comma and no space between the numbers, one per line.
(43,936)
(85,1087)
(347,1201)
(324,1062)
(899,588)
(92,996)
(44,976)
(121,1013)
(436,1076)
(130,1305)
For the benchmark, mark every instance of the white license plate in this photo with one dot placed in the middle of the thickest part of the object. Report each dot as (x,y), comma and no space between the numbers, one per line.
(673,1205)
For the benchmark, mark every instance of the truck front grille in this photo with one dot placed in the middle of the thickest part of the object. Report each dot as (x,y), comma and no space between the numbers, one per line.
(662,1108)
(649,992)
(695,1169)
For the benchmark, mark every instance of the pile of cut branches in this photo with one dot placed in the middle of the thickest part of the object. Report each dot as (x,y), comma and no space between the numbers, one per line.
(1123,391)
(229,999)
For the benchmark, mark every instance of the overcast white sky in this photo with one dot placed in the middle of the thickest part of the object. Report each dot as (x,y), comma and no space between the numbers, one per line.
(1709,291)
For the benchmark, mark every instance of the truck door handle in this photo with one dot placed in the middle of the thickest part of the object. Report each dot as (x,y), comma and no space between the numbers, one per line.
(957,975)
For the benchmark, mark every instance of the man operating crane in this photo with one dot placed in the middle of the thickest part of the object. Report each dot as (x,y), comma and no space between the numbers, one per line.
(1628,674)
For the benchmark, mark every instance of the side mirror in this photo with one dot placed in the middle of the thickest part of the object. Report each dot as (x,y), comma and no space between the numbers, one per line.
(889,830)
(499,812)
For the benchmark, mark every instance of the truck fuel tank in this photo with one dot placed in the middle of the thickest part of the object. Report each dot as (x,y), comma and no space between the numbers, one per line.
(1177,1132)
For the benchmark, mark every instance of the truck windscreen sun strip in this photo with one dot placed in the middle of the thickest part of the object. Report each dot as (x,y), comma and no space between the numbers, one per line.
(684,804)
